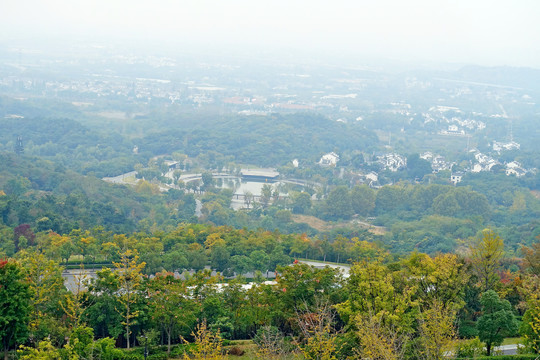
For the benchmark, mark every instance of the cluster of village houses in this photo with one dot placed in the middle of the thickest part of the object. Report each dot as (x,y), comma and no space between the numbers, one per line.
(478,162)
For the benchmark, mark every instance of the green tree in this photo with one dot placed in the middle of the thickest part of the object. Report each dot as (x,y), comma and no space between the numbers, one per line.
(241,264)
(248,198)
(207,179)
(82,342)
(176,176)
(377,294)
(196,256)
(17,186)
(14,305)
(47,291)
(102,304)
(363,200)
(446,204)
(266,195)
(300,202)
(497,320)
(302,286)
(219,258)
(171,306)
(389,198)
(417,167)
(338,204)
(260,261)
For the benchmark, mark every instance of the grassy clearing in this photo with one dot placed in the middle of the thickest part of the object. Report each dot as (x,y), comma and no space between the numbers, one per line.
(507,341)
(512,341)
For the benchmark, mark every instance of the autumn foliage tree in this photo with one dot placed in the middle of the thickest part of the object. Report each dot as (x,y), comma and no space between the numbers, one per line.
(486,253)
(208,345)
(129,271)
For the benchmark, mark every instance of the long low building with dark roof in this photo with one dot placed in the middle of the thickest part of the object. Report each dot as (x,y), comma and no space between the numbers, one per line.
(266,175)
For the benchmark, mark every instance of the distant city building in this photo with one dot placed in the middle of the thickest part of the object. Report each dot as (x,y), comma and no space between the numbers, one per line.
(438,162)
(453,130)
(515,168)
(392,161)
(295,163)
(456,177)
(372,177)
(172,164)
(329,159)
(500,146)
(477,168)
(485,162)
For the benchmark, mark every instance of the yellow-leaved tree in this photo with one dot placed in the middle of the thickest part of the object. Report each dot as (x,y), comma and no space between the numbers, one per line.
(530,328)
(208,345)
(486,252)
(129,272)
(437,329)
(316,326)
(378,340)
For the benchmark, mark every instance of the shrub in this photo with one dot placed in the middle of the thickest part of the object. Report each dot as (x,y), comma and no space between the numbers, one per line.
(470,349)
(235,350)
(157,357)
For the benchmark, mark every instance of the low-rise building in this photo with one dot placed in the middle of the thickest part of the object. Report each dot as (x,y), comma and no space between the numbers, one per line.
(515,168)
(329,159)
(393,161)
(456,177)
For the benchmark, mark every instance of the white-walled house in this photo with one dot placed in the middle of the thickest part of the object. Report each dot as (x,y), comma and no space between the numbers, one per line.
(329,159)
(456,177)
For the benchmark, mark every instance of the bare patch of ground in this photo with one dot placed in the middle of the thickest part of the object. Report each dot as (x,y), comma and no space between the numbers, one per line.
(321,225)
(316,223)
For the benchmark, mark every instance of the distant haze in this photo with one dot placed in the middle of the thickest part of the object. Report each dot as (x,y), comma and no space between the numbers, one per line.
(486,32)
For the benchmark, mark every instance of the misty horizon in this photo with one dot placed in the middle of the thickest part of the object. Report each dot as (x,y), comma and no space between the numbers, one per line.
(477,32)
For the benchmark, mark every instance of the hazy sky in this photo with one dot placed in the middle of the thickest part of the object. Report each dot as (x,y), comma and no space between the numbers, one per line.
(489,32)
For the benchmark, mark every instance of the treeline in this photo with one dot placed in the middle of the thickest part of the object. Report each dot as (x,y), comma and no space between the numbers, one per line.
(425,217)
(428,218)
(192,247)
(48,196)
(264,140)
(414,307)
(71,144)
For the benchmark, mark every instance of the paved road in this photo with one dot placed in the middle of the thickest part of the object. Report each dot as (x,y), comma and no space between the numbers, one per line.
(120,178)
(506,349)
